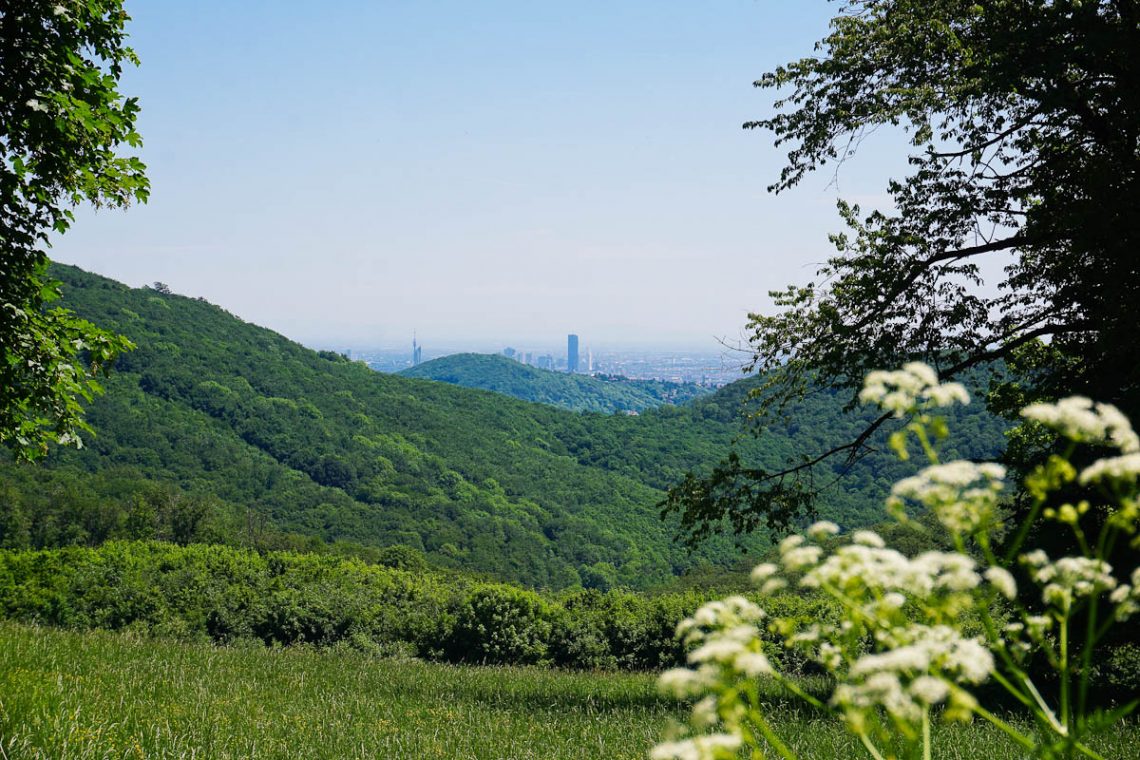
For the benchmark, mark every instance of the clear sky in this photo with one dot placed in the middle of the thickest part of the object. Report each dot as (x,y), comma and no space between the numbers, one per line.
(493,173)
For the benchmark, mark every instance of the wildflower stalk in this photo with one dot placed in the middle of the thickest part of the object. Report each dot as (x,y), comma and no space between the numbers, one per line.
(1066,714)
(1086,655)
(866,740)
(1030,520)
(757,719)
(1092,636)
(791,686)
(1023,531)
(926,735)
(919,430)
(770,736)
(1005,728)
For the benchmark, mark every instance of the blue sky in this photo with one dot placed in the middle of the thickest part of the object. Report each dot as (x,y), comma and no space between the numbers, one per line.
(483,173)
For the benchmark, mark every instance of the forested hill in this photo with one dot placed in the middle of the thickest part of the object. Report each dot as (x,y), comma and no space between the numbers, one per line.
(579,393)
(215,429)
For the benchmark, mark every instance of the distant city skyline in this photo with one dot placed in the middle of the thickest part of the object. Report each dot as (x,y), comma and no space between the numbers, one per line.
(704,367)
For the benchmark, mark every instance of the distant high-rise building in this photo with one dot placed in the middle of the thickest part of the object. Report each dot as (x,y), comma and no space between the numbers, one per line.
(509,352)
(571,353)
(589,361)
(417,351)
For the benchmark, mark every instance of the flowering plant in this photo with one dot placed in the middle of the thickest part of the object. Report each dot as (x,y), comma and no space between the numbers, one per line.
(902,653)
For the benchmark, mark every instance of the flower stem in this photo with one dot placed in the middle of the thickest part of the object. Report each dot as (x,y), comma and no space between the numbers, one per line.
(870,747)
(926,734)
(1007,729)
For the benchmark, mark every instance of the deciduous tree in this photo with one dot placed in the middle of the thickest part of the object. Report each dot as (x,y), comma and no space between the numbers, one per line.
(62,119)
(1023,122)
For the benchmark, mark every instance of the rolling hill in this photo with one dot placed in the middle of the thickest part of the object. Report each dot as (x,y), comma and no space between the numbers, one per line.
(579,393)
(214,429)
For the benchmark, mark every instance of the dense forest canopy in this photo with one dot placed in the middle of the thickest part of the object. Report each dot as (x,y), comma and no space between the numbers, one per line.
(218,430)
(1023,120)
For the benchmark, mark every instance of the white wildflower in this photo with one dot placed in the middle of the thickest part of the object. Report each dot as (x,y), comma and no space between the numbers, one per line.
(808,635)
(830,656)
(704,712)
(919,650)
(883,689)
(681,682)
(763,572)
(908,659)
(743,609)
(791,542)
(893,600)
(963,495)
(822,529)
(1079,419)
(801,557)
(707,747)
(753,664)
(947,393)
(929,690)
(1037,626)
(1003,581)
(717,650)
(1127,601)
(1072,577)
(971,660)
(868,538)
(1121,469)
(947,571)
(902,391)
(924,373)
(772,585)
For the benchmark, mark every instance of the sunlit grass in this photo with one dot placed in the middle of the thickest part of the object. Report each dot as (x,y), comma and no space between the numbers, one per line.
(99,695)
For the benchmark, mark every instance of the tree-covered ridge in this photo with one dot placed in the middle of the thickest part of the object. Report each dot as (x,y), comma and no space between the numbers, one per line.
(578,393)
(253,433)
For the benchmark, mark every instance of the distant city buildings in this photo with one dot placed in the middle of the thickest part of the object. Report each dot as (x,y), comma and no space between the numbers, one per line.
(572,353)
(705,368)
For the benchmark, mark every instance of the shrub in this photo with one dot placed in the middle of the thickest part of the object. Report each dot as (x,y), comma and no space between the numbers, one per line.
(501,624)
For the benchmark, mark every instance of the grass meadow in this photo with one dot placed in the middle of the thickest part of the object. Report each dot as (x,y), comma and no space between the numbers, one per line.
(102,695)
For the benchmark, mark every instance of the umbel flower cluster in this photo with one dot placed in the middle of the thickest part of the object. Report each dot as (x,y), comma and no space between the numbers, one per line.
(917,635)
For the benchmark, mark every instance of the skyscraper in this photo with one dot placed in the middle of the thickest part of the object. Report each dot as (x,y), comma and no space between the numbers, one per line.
(417,351)
(571,353)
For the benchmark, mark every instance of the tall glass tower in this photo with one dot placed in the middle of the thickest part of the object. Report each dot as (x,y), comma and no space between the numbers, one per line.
(571,353)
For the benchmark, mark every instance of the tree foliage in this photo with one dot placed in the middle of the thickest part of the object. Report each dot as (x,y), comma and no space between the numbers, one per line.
(62,119)
(1023,119)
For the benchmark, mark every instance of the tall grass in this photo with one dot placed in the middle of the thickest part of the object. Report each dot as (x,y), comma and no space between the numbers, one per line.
(97,695)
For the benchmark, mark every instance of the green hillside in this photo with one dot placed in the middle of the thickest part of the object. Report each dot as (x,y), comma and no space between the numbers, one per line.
(579,393)
(219,430)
